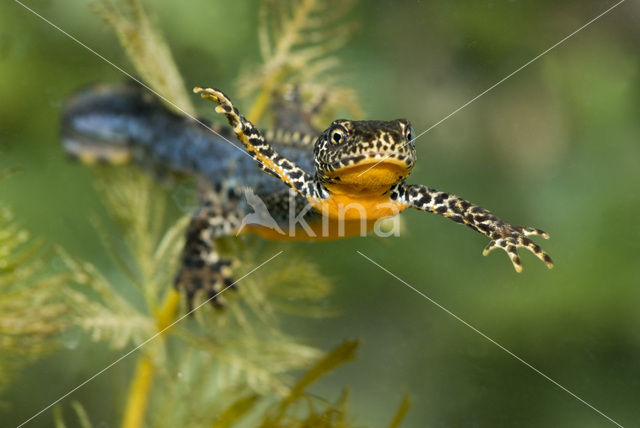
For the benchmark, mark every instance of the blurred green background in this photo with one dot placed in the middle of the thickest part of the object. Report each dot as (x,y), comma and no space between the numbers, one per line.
(557,146)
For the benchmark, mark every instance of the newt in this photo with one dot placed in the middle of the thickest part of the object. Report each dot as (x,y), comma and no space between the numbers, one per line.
(332,183)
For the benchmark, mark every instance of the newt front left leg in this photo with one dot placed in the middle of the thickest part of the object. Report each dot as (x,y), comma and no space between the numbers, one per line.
(502,234)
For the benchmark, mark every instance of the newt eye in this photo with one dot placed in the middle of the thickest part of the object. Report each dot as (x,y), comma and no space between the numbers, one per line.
(337,135)
(408,133)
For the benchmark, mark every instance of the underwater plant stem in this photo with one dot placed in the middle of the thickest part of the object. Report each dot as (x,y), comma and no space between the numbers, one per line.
(166,314)
(405,404)
(278,70)
(260,104)
(140,388)
(138,396)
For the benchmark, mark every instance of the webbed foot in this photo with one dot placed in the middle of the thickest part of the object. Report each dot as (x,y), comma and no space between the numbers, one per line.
(204,280)
(513,237)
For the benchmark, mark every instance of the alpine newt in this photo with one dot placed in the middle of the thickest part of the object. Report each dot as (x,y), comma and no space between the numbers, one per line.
(349,175)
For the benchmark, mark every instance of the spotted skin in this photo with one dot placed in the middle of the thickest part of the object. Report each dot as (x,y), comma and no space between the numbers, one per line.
(347,145)
(123,122)
(264,154)
(503,235)
(203,272)
(366,141)
(328,170)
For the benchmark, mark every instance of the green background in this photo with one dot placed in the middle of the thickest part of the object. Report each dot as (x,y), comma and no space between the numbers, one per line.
(556,146)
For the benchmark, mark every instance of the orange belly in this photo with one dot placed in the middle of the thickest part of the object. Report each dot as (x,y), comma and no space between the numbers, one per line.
(327,230)
(343,216)
(357,202)
(367,199)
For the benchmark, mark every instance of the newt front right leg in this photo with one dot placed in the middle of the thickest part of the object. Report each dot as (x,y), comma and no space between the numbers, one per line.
(257,147)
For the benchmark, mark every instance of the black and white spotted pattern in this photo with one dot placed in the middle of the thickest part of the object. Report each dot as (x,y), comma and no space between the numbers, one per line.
(502,234)
(203,273)
(363,140)
(347,143)
(262,152)
(124,122)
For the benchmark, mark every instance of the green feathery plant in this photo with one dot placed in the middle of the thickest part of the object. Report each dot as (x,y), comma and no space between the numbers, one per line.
(298,39)
(34,309)
(206,361)
(146,49)
(218,367)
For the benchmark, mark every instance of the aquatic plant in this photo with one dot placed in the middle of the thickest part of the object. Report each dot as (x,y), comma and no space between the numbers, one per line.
(33,311)
(146,49)
(217,367)
(220,365)
(206,361)
(298,40)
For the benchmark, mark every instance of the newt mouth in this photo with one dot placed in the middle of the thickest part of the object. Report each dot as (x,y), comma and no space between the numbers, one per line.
(399,159)
(373,172)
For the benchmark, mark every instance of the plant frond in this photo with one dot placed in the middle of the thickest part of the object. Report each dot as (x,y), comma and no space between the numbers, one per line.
(33,310)
(220,365)
(297,40)
(286,413)
(146,48)
(81,416)
(150,254)
(101,311)
(401,412)
(236,411)
(240,348)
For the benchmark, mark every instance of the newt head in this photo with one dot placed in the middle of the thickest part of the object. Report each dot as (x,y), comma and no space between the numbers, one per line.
(346,152)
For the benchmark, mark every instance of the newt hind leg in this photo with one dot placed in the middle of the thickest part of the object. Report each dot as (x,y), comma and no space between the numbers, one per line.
(203,273)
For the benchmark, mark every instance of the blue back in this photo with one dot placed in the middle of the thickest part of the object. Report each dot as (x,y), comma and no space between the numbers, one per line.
(104,120)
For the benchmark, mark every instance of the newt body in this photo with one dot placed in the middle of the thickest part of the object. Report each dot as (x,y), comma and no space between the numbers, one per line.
(334,184)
